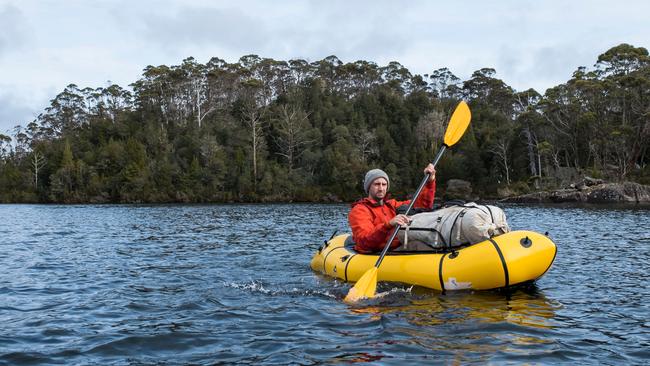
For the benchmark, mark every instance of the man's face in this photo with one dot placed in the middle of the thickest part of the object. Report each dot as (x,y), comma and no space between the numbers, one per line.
(378,189)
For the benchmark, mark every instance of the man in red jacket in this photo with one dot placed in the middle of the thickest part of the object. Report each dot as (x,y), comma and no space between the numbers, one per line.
(374,218)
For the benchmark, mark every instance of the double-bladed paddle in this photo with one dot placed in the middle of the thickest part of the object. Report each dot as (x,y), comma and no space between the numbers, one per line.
(367,284)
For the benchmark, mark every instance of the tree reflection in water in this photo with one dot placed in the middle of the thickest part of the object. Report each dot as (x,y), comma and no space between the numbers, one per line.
(465,323)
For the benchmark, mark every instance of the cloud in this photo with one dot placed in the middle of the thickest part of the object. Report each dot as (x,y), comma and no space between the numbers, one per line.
(45,45)
(307,30)
(13,111)
(13,31)
(538,67)
(196,27)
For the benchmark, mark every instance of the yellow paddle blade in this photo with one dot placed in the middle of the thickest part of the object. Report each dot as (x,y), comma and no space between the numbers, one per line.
(365,287)
(458,124)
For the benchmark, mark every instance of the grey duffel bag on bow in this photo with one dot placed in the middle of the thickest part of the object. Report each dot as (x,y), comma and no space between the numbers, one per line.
(454,226)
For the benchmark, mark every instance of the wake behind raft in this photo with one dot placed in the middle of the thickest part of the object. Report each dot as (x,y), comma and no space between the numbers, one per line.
(510,259)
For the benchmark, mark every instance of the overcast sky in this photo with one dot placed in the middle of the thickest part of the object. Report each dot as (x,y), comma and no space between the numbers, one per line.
(47,44)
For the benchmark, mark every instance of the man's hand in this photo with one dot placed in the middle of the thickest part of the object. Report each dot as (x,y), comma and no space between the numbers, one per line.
(430,170)
(401,220)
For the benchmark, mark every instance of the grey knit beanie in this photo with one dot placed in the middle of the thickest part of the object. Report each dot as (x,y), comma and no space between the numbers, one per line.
(372,175)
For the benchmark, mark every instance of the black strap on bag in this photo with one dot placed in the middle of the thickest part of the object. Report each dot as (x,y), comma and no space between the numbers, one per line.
(401,210)
(451,203)
(453,225)
(491,215)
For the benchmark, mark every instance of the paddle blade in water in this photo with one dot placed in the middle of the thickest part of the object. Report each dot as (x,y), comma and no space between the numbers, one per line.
(458,124)
(365,287)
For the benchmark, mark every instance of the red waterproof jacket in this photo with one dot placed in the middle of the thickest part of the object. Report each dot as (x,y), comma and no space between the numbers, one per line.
(369,219)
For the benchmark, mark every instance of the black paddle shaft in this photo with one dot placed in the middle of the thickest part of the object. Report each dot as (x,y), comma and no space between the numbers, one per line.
(415,197)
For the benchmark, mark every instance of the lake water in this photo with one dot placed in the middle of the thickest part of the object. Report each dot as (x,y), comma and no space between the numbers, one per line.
(231,284)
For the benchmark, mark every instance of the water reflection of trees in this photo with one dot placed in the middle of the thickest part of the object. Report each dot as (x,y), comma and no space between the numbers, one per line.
(469,325)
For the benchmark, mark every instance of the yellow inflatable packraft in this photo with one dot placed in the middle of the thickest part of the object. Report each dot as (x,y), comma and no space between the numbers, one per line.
(506,260)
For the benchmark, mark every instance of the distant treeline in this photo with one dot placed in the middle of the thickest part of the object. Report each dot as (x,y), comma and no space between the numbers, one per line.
(267,130)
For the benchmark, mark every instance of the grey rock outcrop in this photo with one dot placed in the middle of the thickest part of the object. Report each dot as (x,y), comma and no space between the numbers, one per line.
(593,191)
(618,192)
(459,189)
(331,198)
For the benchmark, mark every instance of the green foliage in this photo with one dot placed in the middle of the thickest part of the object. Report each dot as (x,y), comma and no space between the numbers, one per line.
(267,130)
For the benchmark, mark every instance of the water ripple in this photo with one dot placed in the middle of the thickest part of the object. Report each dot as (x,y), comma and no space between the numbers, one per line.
(212,284)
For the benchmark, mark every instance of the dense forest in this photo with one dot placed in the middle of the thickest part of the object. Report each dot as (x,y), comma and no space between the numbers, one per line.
(267,130)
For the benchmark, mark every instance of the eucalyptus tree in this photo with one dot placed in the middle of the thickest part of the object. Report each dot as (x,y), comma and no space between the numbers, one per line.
(5,147)
(492,104)
(529,120)
(358,77)
(599,118)
(273,76)
(37,162)
(418,84)
(429,130)
(22,142)
(185,90)
(593,123)
(560,111)
(111,102)
(292,133)
(444,84)
(501,148)
(224,83)
(66,112)
(253,110)
(153,94)
(195,89)
(260,128)
(300,71)
(625,74)
(326,70)
(484,88)
(366,143)
(396,76)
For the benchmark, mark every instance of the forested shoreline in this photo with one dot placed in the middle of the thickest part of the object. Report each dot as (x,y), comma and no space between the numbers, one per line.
(262,130)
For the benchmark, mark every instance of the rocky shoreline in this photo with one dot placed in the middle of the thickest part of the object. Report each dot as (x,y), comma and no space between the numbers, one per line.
(589,190)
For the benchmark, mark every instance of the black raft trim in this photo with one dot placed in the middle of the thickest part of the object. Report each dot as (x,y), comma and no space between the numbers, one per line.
(327,255)
(442,282)
(553,260)
(346,266)
(503,261)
